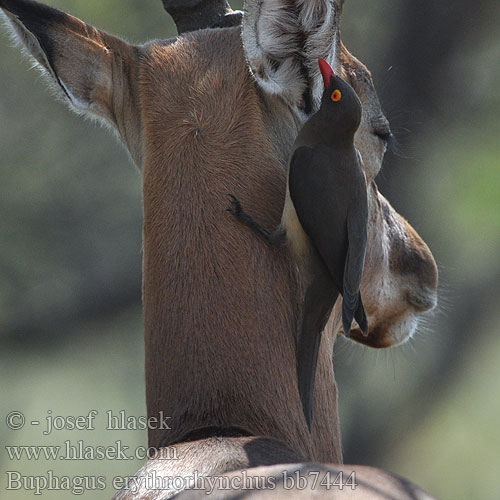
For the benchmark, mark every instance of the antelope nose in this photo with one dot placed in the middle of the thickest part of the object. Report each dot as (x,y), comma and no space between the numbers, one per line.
(422,276)
(423,299)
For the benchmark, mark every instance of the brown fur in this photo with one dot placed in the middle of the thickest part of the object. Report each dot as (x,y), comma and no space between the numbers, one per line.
(208,283)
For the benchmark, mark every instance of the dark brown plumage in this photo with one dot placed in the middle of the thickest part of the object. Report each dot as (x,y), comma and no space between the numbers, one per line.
(327,208)
(328,190)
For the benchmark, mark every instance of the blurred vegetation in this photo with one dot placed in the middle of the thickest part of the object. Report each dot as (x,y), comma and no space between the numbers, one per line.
(70,253)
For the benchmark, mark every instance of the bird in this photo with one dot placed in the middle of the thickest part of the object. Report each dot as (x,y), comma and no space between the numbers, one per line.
(324,222)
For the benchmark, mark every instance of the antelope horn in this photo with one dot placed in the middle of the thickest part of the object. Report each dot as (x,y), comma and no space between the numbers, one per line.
(192,15)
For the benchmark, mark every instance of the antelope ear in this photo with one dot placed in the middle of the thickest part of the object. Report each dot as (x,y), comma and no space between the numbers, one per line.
(77,58)
(282,41)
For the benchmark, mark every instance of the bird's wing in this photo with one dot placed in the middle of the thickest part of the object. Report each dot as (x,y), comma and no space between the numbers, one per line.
(329,194)
(307,191)
(321,202)
(357,223)
(353,269)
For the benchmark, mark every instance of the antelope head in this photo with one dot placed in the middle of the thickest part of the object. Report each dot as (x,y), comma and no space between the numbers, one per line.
(212,112)
(400,279)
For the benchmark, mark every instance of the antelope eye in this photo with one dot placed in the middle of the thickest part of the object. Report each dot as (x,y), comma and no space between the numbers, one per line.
(337,95)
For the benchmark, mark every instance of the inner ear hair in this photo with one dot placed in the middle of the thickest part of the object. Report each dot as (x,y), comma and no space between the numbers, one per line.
(282,41)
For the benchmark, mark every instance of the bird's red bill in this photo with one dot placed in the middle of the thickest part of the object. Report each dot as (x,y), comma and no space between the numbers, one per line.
(326,71)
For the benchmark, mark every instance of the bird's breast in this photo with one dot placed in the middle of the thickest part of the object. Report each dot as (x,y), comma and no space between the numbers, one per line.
(297,239)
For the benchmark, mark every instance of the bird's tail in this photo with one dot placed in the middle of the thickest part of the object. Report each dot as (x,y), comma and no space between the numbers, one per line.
(319,300)
(307,360)
(354,309)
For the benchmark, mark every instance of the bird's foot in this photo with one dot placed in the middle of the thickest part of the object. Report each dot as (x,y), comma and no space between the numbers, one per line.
(237,210)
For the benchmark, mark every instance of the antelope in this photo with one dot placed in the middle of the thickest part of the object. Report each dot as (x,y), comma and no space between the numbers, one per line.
(210,112)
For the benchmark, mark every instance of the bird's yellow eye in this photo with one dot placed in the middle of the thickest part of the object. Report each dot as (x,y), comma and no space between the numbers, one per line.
(337,95)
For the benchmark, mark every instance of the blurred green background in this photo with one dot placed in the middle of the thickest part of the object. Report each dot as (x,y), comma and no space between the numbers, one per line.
(70,254)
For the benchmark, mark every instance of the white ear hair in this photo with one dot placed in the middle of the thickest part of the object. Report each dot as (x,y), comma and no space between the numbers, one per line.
(283,39)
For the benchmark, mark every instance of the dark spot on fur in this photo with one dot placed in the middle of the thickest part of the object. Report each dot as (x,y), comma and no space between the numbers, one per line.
(275,64)
(259,71)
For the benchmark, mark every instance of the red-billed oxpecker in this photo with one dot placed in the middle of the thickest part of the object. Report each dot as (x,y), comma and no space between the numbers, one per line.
(324,222)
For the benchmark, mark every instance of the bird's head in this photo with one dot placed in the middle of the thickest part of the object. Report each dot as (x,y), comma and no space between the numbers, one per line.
(340,105)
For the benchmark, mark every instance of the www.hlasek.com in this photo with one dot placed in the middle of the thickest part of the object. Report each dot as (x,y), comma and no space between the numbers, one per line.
(288,480)
(80,451)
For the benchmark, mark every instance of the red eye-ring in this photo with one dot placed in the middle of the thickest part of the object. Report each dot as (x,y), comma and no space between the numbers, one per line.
(337,95)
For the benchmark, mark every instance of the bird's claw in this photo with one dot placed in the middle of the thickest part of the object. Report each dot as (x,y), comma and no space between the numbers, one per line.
(235,207)
(356,332)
